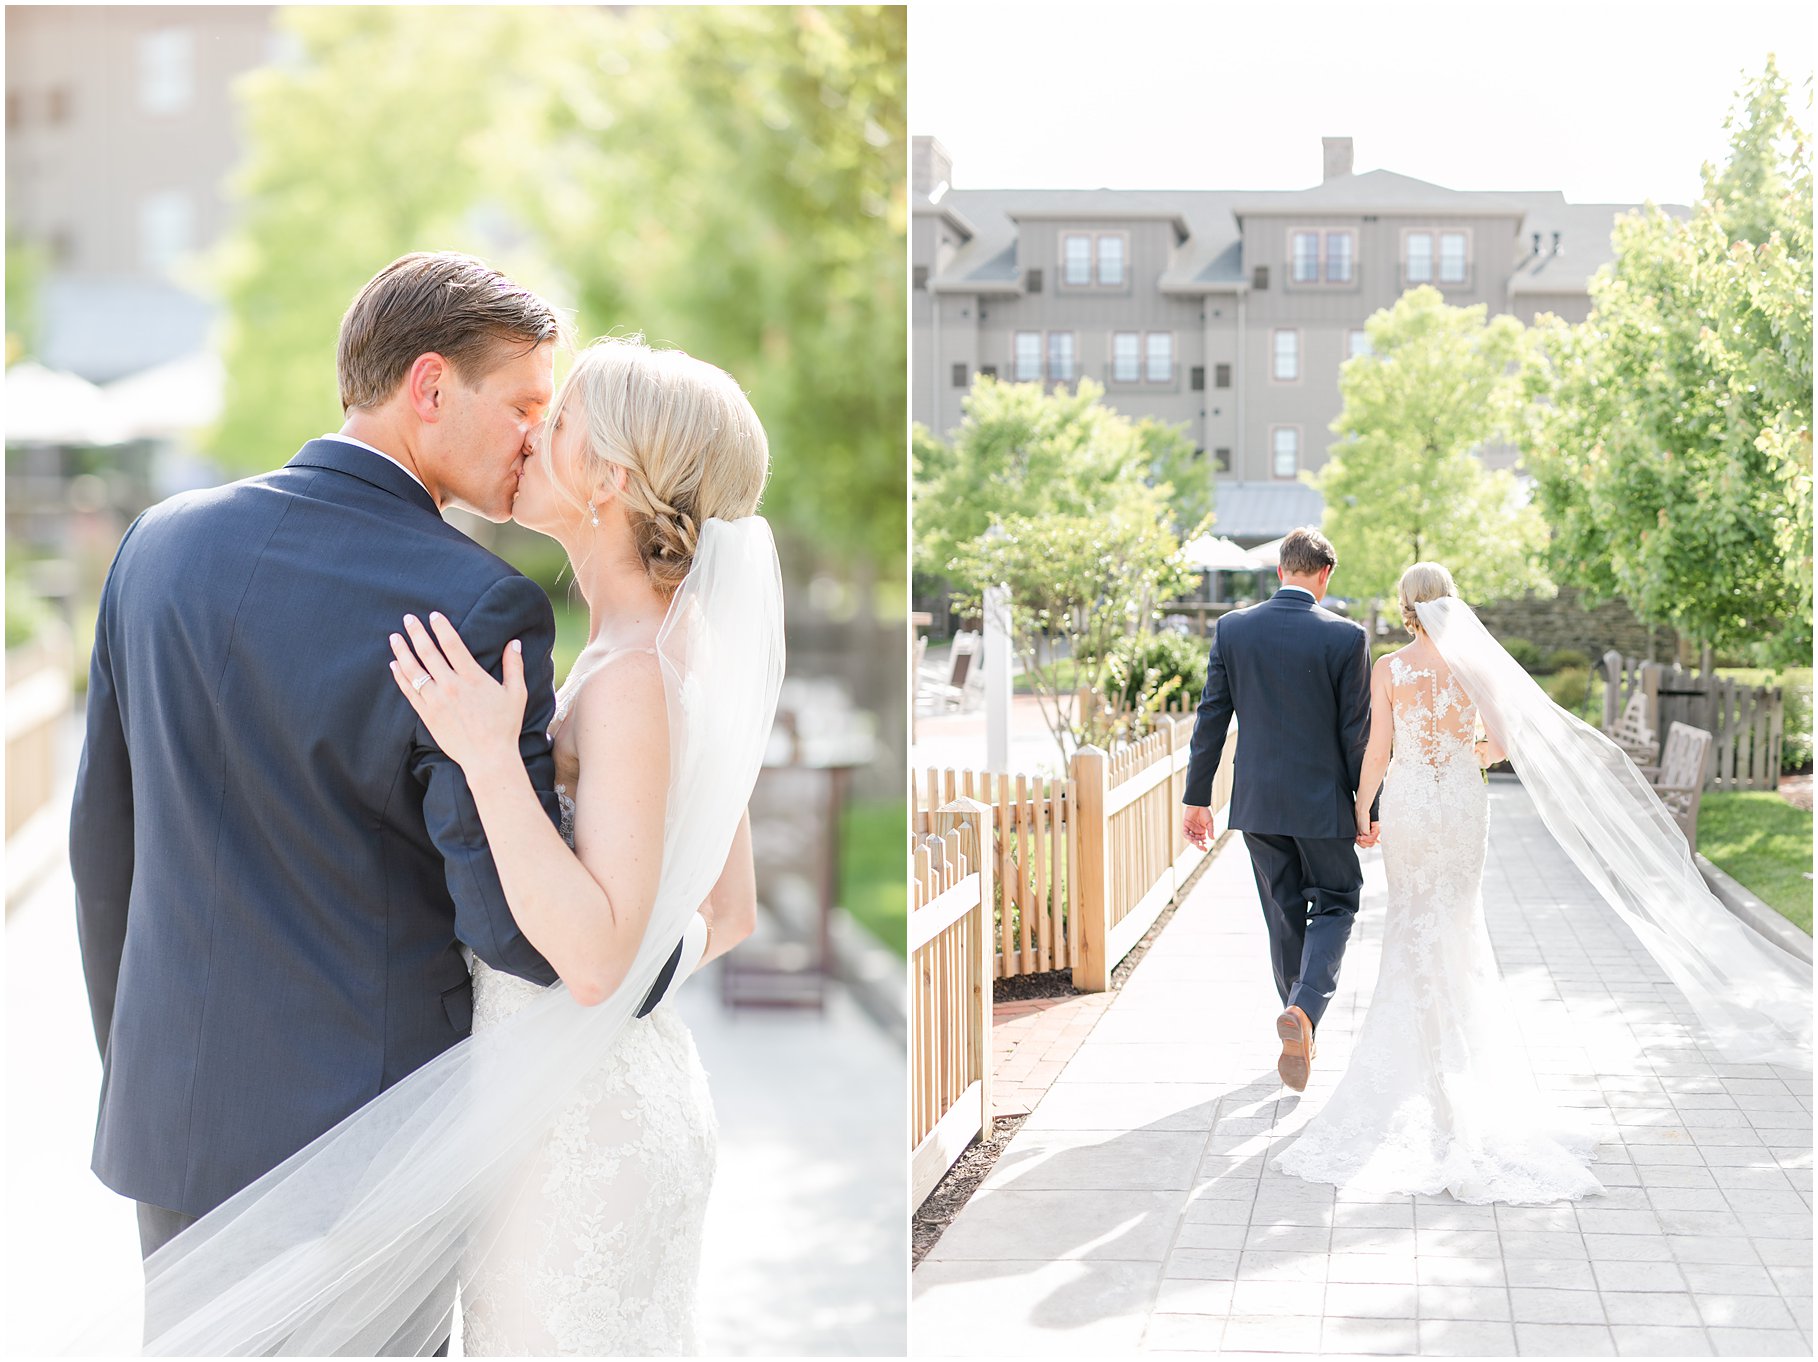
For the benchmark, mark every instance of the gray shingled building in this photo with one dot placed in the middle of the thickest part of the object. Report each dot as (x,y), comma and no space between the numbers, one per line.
(1230,311)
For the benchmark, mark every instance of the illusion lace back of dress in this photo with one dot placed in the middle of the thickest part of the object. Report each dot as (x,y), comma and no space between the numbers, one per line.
(565,1276)
(1439,1095)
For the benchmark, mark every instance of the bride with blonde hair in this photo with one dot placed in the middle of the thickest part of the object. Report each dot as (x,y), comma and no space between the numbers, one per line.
(1439,1095)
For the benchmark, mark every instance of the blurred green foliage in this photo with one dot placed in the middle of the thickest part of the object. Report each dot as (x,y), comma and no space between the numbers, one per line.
(24,275)
(727,180)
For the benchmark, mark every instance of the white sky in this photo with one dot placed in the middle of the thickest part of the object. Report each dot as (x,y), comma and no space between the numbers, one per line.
(1607,100)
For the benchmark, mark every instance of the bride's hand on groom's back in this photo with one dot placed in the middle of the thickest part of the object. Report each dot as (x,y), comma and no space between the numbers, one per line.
(471,717)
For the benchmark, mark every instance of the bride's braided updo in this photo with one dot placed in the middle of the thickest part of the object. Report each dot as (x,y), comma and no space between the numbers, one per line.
(684,432)
(1422,582)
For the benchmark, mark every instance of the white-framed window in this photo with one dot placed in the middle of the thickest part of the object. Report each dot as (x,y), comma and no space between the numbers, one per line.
(1357,342)
(1111,259)
(1306,257)
(1341,255)
(1284,356)
(166,70)
(1158,357)
(1027,359)
(166,225)
(1095,260)
(1127,356)
(1454,253)
(1060,356)
(1419,264)
(1284,451)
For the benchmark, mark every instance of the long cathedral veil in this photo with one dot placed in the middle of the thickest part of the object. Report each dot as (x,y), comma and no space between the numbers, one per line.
(1752,997)
(355,1243)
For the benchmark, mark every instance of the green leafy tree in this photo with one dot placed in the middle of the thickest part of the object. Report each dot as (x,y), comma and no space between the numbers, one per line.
(1021,450)
(1672,438)
(722,179)
(1405,482)
(1080,585)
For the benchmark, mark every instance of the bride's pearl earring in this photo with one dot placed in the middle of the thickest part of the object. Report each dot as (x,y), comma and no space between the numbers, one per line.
(593,514)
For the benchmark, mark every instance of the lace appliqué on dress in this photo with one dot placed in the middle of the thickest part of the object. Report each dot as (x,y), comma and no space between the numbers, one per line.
(566,1276)
(1439,1095)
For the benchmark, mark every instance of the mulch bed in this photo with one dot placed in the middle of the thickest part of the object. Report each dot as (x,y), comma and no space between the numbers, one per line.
(1797,791)
(954,1190)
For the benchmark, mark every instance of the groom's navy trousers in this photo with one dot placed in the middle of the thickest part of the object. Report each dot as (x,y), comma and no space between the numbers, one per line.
(1297,677)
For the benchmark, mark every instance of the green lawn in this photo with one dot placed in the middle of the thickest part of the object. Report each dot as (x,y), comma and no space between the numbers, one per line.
(1765,844)
(874,872)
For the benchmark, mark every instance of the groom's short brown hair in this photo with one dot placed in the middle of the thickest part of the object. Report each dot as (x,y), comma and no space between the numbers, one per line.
(453,305)
(1306,551)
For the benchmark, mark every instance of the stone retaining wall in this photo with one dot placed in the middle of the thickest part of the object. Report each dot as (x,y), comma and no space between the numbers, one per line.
(1562,622)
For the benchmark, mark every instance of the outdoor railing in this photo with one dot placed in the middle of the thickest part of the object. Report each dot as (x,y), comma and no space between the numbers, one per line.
(1083,866)
(950,990)
(37,701)
(1746,723)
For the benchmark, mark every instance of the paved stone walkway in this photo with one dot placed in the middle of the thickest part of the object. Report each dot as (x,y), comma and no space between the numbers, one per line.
(806,1245)
(1033,1039)
(1134,1210)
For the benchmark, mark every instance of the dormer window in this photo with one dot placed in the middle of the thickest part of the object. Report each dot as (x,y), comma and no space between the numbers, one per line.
(1094,260)
(1319,256)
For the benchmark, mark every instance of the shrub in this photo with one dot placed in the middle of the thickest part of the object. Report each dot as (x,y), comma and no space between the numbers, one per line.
(1796,730)
(1525,652)
(1562,659)
(1569,688)
(1167,665)
(26,615)
(1382,648)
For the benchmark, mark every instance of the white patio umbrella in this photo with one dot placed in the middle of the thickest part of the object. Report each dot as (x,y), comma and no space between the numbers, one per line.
(1217,554)
(173,398)
(1269,554)
(51,407)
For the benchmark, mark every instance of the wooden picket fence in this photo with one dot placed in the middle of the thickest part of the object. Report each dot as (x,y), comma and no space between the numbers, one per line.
(1746,723)
(37,705)
(950,951)
(1083,865)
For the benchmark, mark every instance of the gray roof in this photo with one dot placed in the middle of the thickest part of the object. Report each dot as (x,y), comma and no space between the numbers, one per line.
(990,258)
(1211,259)
(1378,189)
(1252,512)
(1584,242)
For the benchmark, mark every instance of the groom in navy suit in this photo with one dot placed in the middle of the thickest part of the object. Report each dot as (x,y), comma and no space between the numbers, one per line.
(1298,678)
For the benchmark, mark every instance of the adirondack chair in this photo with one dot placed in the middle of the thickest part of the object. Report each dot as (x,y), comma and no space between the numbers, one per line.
(1632,734)
(1679,779)
(965,678)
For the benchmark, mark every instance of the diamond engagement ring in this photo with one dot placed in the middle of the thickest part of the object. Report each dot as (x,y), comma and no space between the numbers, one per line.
(420,682)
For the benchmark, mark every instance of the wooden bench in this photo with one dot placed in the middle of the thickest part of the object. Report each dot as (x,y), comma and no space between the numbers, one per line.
(1679,779)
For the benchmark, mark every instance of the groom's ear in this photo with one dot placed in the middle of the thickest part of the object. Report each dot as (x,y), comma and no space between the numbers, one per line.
(423,386)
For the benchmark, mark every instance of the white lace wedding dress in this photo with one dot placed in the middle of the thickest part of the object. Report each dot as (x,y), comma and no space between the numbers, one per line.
(1439,1095)
(566,1276)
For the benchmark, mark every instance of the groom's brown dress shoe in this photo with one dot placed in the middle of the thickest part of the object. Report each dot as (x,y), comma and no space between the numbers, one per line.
(1296,1061)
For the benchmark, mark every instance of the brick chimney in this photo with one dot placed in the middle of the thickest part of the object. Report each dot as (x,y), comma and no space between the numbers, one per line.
(1338,156)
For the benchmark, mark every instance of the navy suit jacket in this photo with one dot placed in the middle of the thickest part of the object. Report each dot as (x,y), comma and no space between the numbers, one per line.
(274,864)
(1298,678)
